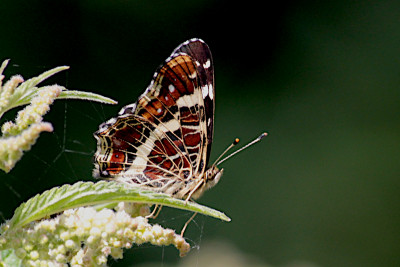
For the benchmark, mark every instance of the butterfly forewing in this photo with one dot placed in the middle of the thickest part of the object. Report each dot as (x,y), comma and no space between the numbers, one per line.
(164,139)
(200,51)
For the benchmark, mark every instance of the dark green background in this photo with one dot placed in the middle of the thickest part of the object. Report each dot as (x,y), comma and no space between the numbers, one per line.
(321,78)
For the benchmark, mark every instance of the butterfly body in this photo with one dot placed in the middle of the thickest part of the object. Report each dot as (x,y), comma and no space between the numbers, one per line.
(163,141)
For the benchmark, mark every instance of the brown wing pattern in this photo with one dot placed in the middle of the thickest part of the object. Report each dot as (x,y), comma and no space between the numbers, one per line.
(201,52)
(164,134)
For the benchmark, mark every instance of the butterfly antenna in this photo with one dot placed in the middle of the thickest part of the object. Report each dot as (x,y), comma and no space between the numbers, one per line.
(234,143)
(237,151)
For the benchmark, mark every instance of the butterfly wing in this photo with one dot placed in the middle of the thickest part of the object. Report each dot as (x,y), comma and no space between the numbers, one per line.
(166,135)
(200,51)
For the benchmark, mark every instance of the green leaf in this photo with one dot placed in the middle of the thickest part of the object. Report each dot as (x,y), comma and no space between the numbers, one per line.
(24,93)
(27,90)
(65,94)
(71,94)
(80,194)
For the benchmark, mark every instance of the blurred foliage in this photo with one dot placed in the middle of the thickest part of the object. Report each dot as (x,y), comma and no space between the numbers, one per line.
(320,77)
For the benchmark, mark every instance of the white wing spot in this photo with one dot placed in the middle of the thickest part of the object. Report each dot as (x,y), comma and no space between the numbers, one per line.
(193,75)
(204,90)
(207,64)
(210,91)
(171,88)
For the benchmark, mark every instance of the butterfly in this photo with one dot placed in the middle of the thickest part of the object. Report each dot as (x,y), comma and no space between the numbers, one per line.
(163,141)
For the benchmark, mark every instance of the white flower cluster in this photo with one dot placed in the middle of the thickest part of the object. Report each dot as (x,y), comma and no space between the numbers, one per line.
(33,113)
(21,135)
(8,89)
(86,237)
(12,148)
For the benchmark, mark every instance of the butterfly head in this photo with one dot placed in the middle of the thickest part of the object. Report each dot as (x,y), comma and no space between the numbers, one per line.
(211,178)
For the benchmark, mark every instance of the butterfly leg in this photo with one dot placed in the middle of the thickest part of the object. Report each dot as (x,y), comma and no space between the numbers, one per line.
(187,223)
(192,192)
(156,211)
